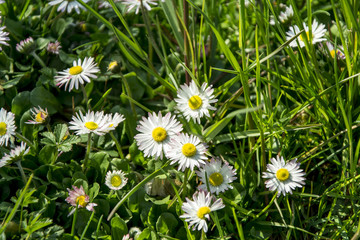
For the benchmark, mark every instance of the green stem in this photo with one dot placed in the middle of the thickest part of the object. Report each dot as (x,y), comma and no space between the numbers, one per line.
(24,139)
(18,163)
(87,225)
(85,97)
(88,148)
(38,59)
(185,182)
(128,92)
(73,223)
(53,10)
(121,154)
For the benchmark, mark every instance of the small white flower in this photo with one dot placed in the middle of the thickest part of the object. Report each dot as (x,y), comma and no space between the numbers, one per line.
(26,46)
(283,177)
(187,150)
(338,52)
(198,210)
(115,180)
(106,4)
(7,126)
(39,116)
(284,16)
(79,73)
(113,121)
(2,1)
(68,5)
(317,33)
(53,47)
(92,122)
(137,4)
(79,198)
(155,134)
(194,102)
(15,154)
(3,37)
(219,176)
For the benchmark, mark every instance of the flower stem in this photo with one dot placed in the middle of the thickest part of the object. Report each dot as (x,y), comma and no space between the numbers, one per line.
(88,148)
(24,139)
(85,96)
(73,222)
(18,163)
(38,59)
(121,154)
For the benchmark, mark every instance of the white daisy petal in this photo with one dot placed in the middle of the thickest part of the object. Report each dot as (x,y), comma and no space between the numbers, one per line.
(318,32)
(186,150)
(15,154)
(7,126)
(219,176)
(91,122)
(68,5)
(283,177)
(115,180)
(155,134)
(198,210)
(193,102)
(78,73)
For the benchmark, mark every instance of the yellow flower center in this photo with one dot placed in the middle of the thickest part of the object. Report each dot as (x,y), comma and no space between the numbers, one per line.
(203,211)
(75,70)
(40,117)
(91,125)
(159,134)
(189,149)
(81,201)
(112,65)
(2,128)
(216,179)
(111,125)
(282,174)
(195,102)
(116,181)
(307,36)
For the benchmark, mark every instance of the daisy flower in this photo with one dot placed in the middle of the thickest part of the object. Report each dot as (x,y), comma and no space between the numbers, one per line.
(283,177)
(126,237)
(198,210)
(77,197)
(284,16)
(39,116)
(113,121)
(115,180)
(2,1)
(15,154)
(3,37)
(68,5)
(7,126)
(137,4)
(155,134)
(317,33)
(26,46)
(194,102)
(187,150)
(79,73)
(113,66)
(338,52)
(219,176)
(92,122)
(106,4)
(53,47)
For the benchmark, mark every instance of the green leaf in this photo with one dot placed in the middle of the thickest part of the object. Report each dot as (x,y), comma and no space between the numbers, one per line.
(21,103)
(48,154)
(118,228)
(166,223)
(45,99)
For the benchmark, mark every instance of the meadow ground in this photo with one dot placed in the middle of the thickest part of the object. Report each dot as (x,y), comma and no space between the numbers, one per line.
(179,119)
